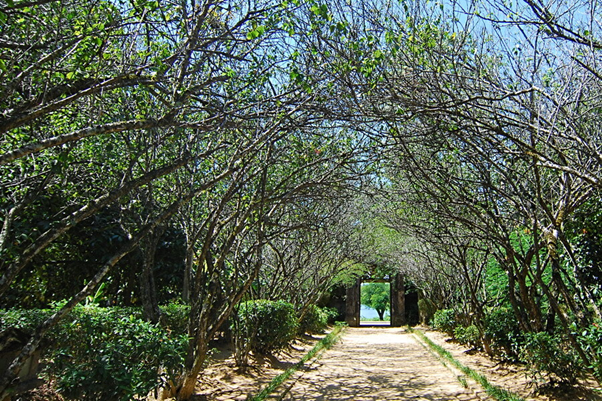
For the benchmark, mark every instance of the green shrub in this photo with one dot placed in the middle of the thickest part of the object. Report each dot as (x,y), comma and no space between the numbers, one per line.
(502,328)
(426,310)
(548,358)
(175,317)
(591,341)
(268,325)
(105,353)
(331,313)
(445,320)
(315,320)
(469,336)
(23,319)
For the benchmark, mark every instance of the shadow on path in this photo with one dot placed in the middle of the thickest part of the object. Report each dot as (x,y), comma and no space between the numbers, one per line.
(377,363)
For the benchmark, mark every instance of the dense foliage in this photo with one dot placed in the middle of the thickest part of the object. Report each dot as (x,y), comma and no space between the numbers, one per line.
(268,325)
(107,353)
(548,356)
(445,320)
(314,320)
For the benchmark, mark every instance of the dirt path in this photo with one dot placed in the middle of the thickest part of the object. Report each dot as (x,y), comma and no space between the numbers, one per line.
(377,363)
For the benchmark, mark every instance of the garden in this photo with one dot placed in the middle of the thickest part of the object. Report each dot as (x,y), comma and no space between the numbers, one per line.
(176,175)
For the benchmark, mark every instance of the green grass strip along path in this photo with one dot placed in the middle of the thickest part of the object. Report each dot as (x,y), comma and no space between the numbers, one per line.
(324,343)
(492,390)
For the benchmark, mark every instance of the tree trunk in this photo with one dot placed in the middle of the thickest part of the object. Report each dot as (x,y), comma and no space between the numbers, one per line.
(148,289)
(192,371)
(187,273)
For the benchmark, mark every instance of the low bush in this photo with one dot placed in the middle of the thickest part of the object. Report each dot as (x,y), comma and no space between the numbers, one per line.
(105,353)
(175,317)
(313,321)
(591,341)
(332,314)
(469,336)
(502,328)
(268,325)
(548,359)
(445,320)
(23,319)
(112,357)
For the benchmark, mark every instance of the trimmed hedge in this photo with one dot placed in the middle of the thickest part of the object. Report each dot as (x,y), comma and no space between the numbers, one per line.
(469,335)
(314,321)
(268,325)
(503,329)
(445,320)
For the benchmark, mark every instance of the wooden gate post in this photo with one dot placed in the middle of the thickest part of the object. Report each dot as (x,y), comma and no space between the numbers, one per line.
(398,301)
(352,305)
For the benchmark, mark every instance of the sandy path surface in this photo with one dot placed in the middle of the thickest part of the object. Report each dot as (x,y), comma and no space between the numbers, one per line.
(377,363)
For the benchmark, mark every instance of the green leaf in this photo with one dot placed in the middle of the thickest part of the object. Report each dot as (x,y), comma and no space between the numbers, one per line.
(255,33)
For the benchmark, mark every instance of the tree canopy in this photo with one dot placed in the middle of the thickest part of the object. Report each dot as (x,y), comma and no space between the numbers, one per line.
(214,152)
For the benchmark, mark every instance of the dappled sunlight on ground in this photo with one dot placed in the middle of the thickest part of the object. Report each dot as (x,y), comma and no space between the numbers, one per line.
(372,363)
(513,377)
(377,364)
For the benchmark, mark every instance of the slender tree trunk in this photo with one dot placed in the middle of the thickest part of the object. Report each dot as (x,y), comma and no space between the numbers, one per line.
(187,273)
(148,289)
(518,309)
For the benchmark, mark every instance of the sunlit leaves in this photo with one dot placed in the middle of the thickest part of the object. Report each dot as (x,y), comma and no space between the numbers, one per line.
(256,32)
(321,11)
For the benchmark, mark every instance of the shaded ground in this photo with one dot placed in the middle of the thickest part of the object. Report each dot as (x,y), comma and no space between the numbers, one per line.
(514,377)
(378,363)
(223,381)
(374,363)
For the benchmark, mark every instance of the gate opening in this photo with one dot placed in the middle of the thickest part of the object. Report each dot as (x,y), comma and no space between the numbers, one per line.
(375,301)
(397,301)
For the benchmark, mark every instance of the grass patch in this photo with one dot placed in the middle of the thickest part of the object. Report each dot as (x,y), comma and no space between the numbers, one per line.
(375,319)
(324,343)
(492,390)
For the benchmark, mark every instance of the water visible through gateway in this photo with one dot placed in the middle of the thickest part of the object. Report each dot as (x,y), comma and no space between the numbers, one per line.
(368,315)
